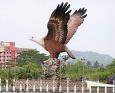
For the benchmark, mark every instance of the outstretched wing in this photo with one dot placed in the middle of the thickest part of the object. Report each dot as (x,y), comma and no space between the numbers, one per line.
(74,22)
(57,25)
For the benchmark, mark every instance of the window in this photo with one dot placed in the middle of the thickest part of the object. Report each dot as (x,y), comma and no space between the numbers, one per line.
(7,60)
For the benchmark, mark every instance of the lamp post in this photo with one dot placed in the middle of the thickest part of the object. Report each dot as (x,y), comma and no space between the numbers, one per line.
(83,59)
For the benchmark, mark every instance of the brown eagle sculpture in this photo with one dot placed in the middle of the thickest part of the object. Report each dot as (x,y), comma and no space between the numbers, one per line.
(61,28)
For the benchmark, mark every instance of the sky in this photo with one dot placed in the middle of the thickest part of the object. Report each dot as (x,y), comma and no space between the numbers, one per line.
(22,19)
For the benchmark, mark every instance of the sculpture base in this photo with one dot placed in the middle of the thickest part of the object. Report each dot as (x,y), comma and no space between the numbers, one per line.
(51,68)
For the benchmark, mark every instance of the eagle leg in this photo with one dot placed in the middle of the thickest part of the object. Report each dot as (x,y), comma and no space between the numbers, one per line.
(69,52)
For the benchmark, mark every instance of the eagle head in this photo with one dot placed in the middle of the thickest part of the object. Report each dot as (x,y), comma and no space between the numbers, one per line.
(38,40)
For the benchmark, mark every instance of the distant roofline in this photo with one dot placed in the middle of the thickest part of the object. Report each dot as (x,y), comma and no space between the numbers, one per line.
(24,48)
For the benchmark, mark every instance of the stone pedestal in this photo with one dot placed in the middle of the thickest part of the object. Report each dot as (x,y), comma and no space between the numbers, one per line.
(51,68)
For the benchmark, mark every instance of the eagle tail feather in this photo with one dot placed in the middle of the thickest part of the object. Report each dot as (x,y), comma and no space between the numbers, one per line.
(69,52)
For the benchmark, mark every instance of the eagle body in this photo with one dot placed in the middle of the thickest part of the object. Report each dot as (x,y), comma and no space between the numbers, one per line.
(55,48)
(61,28)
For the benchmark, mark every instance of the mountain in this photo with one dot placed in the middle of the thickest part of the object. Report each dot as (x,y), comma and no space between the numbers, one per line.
(92,57)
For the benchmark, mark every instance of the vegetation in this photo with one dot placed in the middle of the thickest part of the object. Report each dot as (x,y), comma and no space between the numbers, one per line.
(31,56)
(83,69)
(29,66)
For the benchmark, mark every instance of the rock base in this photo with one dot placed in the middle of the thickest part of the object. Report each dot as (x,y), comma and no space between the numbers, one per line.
(51,68)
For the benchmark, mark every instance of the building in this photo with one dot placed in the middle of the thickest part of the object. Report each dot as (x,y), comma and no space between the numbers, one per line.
(8,53)
(20,50)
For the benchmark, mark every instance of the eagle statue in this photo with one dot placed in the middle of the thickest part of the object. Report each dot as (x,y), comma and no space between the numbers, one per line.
(61,27)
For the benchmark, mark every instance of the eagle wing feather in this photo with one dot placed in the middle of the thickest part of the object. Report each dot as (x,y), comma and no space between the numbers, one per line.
(57,24)
(76,19)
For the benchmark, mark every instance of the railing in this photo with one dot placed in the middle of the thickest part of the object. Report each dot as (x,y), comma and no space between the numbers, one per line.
(56,86)
(43,86)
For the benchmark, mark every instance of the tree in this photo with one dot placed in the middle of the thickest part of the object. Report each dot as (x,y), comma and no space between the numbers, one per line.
(96,65)
(112,65)
(76,70)
(31,71)
(89,65)
(30,56)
